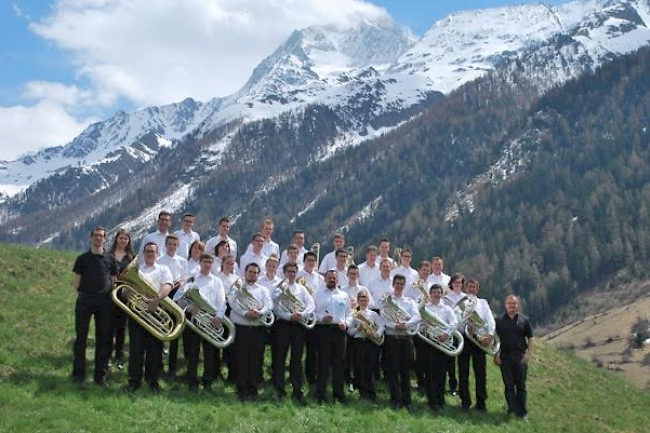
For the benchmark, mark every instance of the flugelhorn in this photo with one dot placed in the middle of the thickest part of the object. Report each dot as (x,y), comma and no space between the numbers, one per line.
(200,321)
(247,301)
(476,327)
(368,328)
(432,327)
(165,323)
(289,303)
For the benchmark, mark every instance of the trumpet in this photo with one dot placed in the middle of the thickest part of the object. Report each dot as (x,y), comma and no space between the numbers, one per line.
(432,327)
(247,301)
(289,303)
(392,311)
(165,323)
(200,321)
(476,327)
(368,328)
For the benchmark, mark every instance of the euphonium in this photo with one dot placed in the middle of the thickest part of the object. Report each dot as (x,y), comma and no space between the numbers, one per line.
(289,303)
(368,328)
(200,320)
(476,327)
(392,311)
(432,327)
(248,302)
(165,323)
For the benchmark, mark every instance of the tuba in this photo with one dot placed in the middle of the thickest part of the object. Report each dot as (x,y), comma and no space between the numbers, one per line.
(289,303)
(368,328)
(432,327)
(392,311)
(475,326)
(165,323)
(247,301)
(201,320)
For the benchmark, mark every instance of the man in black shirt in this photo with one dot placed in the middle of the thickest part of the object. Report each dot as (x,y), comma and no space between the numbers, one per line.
(516,336)
(94,275)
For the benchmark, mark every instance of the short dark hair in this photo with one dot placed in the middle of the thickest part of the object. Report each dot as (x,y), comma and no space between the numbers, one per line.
(206,257)
(188,214)
(309,254)
(98,228)
(289,265)
(164,213)
(223,220)
(252,264)
(339,251)
(399,277)
(171,236)
(352,268)
(149,244)
(435,287)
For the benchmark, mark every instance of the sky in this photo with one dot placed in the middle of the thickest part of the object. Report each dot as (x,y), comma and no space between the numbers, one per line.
(68,63)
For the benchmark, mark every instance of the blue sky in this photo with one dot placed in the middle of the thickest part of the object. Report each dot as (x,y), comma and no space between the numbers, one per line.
(67,63)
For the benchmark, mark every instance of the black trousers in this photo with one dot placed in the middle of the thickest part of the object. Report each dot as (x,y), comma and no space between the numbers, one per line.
(399,360)
(451,372)
(349,372)
(248,345)
(436,365)
(194,342)
(144,351)
(477,356)
(366,355)
(173,352)
(514,375)
(331,355)
(421,362)
(117,332)
(87,306)
(288,334)
(312,347)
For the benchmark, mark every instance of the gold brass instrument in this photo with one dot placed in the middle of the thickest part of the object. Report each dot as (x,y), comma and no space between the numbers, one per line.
(289,303)
(315,248)
(200,320)
(421,286)
(247,301)
(397,257)
(475,326)
(165,323)
(368,328)
(392,311)
(303,282)
(432,327)
(350,252)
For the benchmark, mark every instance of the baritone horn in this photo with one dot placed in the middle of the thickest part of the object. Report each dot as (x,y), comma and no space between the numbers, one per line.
(475,327)
(432,327)
(368,328)
(165,323)
(291,304)
(200,321)
(247,301)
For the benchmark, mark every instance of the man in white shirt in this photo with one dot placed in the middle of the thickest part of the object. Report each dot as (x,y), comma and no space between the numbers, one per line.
(292,256)
(271,279)
(288,332)
(329,261)
(269,247)
(341,267)
(255,255)
(299,241)
(333,318)
(418,291)
(369,270)
(158,237)
(405,269)
(140,341)
(470,350)
(313,282)
(223,228)
(186,235)
(453,295)
(384,251)
(250,333)
(437,276)
(383,284)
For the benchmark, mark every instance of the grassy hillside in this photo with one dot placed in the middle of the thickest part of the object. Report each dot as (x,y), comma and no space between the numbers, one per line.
(566,394)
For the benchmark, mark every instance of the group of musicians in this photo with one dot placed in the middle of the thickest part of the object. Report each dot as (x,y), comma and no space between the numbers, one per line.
(365,316)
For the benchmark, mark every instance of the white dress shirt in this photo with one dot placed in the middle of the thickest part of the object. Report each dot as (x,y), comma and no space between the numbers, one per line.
(409,306)
(211,289)
(451,299)
(177,265)
(415,293)
(193,267)
(355,330)
(300,292)
(269,248)
(228,280)
(442,279)
(409,273)
(380,287)
(328,262)
(314,280)
(269,283)
(237,313)
(445,313)
(185,241)
(483,310)
(158,238)
(300,260)
(368,273)
(353,291)
(335,303)
(210,244)
(157,275)
(251,257)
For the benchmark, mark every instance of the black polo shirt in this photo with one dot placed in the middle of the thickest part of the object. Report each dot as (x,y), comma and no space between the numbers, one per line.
(96,271)
(513,333)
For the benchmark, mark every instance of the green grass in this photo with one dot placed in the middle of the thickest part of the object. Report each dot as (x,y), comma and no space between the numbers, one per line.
(566,394)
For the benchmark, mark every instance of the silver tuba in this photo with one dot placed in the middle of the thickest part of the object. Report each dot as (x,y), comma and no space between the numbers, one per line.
(432,327)
(475,326)
(392,311)
(200,321)
(289,303)
(247,301)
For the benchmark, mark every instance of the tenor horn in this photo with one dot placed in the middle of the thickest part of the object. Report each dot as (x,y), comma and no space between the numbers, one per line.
(165,323)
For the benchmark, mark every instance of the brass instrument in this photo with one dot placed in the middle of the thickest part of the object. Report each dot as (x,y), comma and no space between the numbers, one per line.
(315,248)
(200,321)
(397,257)
(289,303)
(165,323)
(350,259)
(303,282)
(247,301)
(368,328)
(432,327)
(392,311)
(421,286)
(475,326)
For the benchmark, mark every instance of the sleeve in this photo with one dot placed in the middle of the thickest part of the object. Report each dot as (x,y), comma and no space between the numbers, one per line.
(220,300)
(78,267)
(453,320)
(528,330)
(355,325)
(308,300)
(115,266)
(233,294)
(415,314)
(348,311)
(166,276)
(319,314)
(379,323)
(267,302)
(324,265)
(489,317)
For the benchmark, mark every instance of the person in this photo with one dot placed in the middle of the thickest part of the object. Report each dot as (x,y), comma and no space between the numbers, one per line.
(384,251)
(453,295)
(122,250)
(212,291)
(405,269)
(437,276)
(228,276)
(193,262)
(160,236)
(313,282)
(369,270)
(220,252)
(384,284)
(298,240)
(289,332)
(332,320)
(94,276)
(516,335)
(366,352)
(144,348)
(270,280)
(434,360)
(223,228)
(269,247)
(292,256)
(186,236)
(329,261)
(341,267)
(255,255)
(399,345)
(249,332)
(418,292)
(474,353)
